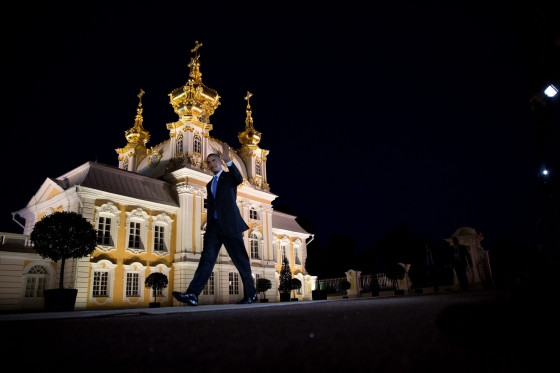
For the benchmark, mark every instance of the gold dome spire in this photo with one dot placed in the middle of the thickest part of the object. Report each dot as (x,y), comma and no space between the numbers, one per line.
(250,137)
(194,100)
(137,135)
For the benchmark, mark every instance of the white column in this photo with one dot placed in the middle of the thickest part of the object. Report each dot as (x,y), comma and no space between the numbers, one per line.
(199,204)
(185,217)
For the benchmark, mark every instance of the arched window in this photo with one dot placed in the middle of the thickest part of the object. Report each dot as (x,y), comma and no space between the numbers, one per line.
(36,282)
(254,244)
(179,144)
(196,145)
(162,233)
(137,230)
(258,166)
(107,223)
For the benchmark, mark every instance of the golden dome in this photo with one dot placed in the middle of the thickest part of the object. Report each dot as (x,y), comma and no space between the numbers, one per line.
(194,99)
(137,134)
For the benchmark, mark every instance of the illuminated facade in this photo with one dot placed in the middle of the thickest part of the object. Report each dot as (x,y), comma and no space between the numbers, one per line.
(150,216)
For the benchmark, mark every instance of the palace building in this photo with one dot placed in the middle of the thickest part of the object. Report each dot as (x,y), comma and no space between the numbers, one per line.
(150,214)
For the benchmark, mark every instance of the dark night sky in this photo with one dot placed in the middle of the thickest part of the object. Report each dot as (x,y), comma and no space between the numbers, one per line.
(393,114)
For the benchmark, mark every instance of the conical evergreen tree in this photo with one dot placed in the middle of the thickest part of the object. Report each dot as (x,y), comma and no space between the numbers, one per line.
(285,277)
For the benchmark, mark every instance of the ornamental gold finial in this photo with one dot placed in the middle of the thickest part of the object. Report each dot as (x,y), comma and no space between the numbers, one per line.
(139,110)
(196,46)
(249,94)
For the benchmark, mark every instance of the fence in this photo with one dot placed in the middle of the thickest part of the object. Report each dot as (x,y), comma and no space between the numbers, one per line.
(364,281)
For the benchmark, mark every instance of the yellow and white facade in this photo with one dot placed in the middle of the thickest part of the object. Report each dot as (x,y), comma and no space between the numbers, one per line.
(150,215)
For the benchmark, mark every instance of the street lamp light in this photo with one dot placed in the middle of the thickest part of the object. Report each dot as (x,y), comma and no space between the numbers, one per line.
(551,91)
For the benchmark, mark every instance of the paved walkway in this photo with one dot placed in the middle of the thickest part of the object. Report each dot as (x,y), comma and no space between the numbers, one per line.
(456,332)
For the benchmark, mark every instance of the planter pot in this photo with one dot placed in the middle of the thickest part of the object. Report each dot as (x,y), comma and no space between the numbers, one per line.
(60,300)
(294,299)
(399,292)
(284,297)
(155,305)
(263,300)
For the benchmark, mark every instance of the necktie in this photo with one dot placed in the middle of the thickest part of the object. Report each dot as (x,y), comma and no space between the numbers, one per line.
(214,185)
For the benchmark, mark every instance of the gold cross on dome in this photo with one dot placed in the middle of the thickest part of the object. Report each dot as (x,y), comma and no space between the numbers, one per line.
(140,96)
(249,94)
(196,46)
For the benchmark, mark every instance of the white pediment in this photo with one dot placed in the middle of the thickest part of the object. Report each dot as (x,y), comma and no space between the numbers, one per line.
(48,190)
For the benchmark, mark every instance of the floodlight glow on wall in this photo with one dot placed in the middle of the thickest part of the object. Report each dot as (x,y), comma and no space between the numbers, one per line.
(550,91)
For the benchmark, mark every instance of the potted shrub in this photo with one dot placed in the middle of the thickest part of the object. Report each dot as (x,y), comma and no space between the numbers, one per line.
(344,285)
(156,281)
(262,285)
(59,236)
(295,284)
(395,273)
(285,281)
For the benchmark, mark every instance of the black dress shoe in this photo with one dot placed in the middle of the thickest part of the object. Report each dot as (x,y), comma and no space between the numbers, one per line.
(188,298)
(249,300)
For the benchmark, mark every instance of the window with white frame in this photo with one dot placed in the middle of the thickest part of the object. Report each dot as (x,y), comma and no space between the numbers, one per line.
(256,277)
(36,282)
(258,166)
(179,144)
(197,144)
(297,252)
(137,230)
(233,283)
(209,287)
(162,233)
(100,283)
(134,276)
(253,215)
(107,222)
(132,284)
(254,244)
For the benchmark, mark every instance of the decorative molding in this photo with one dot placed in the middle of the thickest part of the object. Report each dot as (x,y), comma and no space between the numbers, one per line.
(163,218)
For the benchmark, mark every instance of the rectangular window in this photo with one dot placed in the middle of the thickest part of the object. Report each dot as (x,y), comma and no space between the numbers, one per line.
(254,248)
(134,237)
(297,260)
(233,283)
(209,288)
(253,214)
(100,284)
(104,231)
(41,284)
(257,276)
(30,287)
(159,244)
(132,284)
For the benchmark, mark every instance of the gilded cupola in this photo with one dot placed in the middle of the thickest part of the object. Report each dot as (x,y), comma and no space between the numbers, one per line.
(194,100)
(249,137)
(137,135)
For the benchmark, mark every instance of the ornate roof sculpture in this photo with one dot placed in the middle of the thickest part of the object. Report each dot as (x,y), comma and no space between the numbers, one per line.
(137,137)
(194,100)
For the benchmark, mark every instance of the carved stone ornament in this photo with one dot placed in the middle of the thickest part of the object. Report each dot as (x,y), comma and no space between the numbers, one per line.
(163,218)
(185,188)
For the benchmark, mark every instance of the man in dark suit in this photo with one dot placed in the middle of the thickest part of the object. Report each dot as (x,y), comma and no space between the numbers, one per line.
(460,259)
(224,226)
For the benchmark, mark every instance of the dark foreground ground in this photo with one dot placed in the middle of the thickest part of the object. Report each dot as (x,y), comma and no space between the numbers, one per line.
(474,331)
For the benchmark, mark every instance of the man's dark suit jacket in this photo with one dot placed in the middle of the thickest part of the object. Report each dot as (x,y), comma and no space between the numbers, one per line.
(225,203)
(464,255)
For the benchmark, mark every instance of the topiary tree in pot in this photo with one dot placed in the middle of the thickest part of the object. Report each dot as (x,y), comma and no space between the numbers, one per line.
(295,284)
(262,285)
(59,236)
(156,281)
(344,285)
(285,286)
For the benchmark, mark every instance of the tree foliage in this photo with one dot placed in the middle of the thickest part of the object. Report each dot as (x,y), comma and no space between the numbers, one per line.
(285,277)
(63,235)
(262,285)
(395,273)
(295,284)
(156,281)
